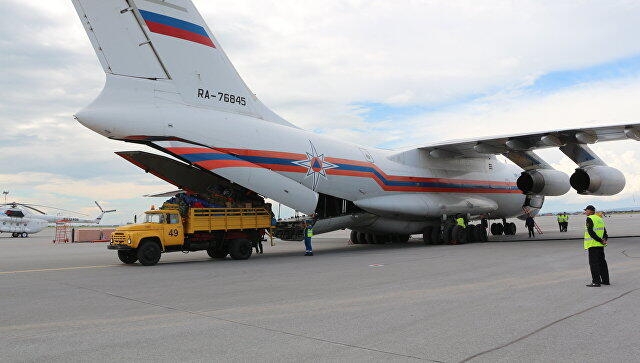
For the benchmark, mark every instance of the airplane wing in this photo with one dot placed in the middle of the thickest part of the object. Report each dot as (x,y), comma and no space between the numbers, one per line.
(532,141)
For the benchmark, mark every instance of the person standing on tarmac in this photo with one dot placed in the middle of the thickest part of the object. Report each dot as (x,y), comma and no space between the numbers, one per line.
(530,223)
(560,219)
(595,239)
(308,233)
(565,221)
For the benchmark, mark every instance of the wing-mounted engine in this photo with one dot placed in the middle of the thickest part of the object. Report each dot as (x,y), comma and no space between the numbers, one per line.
(597,180)
(548,182)
(538,177)
(593,177)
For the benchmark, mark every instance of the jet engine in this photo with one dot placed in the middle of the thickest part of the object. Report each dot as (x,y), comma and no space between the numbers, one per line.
(597,180)
(547,182)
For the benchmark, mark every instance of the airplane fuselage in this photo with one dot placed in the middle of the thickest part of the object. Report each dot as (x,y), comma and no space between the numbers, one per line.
(132,110)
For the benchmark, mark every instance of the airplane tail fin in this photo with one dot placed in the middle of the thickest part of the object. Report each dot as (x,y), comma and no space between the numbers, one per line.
(168,41)
(102,212)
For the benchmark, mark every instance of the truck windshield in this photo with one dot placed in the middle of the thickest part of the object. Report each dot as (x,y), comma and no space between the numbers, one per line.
(154,218)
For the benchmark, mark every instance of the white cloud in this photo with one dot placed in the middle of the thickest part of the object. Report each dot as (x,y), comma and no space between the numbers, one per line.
(312,62)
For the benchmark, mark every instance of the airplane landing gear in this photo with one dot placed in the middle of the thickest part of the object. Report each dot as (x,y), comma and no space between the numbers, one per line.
(504,227)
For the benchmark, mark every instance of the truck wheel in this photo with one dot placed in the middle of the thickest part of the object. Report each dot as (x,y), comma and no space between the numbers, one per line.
(149,253)
(128,257)
(240,249)
(218,252)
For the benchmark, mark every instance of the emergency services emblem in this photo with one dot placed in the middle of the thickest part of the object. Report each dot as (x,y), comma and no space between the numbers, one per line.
(316,165)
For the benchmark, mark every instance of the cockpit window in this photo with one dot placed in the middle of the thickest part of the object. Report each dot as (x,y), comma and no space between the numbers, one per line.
(154,218)
(14,213)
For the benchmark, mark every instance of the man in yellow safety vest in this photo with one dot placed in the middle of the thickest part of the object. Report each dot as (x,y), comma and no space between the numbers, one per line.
(595,239)
(308,233)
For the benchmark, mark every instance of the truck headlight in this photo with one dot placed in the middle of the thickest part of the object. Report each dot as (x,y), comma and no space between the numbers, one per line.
(129,240)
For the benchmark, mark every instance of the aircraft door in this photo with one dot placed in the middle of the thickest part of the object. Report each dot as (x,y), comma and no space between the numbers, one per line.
(173,231)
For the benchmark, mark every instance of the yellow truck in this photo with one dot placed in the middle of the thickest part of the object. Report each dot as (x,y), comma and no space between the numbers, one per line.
(219,231)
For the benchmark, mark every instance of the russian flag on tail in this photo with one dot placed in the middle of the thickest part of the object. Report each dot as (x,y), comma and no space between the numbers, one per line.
(166,25)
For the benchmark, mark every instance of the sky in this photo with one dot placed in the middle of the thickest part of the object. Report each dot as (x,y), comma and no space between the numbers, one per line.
(389,74)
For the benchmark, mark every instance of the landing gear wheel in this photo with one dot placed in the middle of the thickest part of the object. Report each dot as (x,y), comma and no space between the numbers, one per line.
(14,234)
(240,249)
(24,235)
(403,238)
(369,237)
(446,233)
(380,239)
(480,234)
(426,235)
(362,238)
(436,235)
(220,252)
(458,235)
(510,228)
(471,233)
(354,238)
(128,257)
(149,253)
(497,229)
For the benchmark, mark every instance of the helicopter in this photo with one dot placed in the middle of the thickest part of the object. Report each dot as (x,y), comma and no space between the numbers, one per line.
(20,220)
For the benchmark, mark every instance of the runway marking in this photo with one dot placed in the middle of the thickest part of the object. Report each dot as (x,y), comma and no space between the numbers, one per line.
(54,269)
(548,326)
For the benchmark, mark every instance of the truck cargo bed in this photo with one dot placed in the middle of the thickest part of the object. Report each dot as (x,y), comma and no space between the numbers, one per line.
(224,219)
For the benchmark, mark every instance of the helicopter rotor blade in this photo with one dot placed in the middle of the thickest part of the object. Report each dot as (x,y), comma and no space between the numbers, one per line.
(31,206)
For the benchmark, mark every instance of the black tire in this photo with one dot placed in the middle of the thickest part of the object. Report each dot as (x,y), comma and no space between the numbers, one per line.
(436,235)
(497,229)
(512,228)
(471,233)
(24,235)
(446,233)
(426,235)
(354,237)
(149,253)
(477,233)
(370,238)
(403,238)
(14,234)
(240,249)
(458,235)
(362,238)
(380,239)
(128,257)
(219,252)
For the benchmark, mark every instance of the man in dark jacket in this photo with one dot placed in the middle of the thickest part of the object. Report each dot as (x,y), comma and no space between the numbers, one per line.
(530,223)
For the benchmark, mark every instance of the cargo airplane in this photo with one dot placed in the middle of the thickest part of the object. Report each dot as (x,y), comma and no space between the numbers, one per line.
(20,220)
(170,85)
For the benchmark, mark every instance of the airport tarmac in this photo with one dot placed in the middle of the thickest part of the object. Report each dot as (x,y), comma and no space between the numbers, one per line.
(513,300)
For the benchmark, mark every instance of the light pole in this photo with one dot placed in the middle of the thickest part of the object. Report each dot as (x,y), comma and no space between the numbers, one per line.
(5,196)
